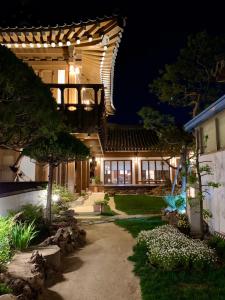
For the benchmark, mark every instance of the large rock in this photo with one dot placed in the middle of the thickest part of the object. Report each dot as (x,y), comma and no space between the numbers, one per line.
(8,297)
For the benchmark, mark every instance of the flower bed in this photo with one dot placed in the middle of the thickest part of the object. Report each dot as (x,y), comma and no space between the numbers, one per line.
(169,249)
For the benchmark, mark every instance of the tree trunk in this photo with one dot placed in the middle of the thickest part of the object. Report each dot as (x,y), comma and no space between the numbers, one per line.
(15,168)
(49,193)
(200,193)
(196,107)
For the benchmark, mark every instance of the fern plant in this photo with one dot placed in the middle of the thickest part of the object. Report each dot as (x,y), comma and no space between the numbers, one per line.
(22,235)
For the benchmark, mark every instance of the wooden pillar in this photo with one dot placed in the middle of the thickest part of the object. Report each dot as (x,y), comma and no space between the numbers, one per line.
(88,173)
(136,171)
(84,175)
(78,177)
(71,176)
(63,174)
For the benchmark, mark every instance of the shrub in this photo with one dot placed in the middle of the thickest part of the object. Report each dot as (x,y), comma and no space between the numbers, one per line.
(4,289)
(169,249)
(5,251)
(22,235)
(64,194)
(106,197)
(34,214)
(218,244)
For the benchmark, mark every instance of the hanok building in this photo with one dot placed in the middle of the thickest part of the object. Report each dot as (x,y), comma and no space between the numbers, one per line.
(77,63)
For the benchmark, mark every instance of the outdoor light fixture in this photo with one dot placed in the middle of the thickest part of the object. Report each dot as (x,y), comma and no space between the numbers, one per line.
(24,45)
(60,44)
(68,43)
(45,45)
(72,108)
(31,45)
(90,38)
(53,45)
(38,45)
(16,45)
(78,41)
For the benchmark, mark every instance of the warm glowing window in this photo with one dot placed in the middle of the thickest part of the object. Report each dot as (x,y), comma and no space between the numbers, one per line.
(61,79)
(152,170)
(117,172)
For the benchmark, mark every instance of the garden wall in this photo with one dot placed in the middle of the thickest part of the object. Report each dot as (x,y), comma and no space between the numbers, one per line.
(215,200)
(14,199)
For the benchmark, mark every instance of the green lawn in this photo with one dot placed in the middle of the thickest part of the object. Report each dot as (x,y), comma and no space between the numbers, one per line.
(139,204)
(162,285)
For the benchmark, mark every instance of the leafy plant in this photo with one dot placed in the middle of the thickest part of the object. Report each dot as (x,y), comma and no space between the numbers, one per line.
(5,251)
(22,235)
(64,194)
(218,244)
(97,180)
(4,289)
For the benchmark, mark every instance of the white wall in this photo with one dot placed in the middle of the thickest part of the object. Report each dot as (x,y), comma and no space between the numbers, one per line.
(28,167)
(215,201)
(14,202)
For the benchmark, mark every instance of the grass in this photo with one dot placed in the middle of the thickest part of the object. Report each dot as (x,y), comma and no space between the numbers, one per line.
(162,285)
(139,204)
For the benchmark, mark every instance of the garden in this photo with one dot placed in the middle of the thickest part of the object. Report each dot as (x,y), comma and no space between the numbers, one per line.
(171,264)
(27,233)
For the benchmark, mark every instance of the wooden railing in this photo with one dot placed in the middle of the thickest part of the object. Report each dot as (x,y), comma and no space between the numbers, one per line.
(84,114)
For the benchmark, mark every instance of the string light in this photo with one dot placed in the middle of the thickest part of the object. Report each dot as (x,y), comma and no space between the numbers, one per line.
(45,45)
(90,39)
(38,45)
(68,43)
(31,45)
(53,44)
(24,45)
(78,41)
(105,47)
(9,45)
(16,45)
(60,44)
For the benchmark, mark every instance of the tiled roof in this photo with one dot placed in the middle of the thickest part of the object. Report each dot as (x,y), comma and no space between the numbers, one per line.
(130,138)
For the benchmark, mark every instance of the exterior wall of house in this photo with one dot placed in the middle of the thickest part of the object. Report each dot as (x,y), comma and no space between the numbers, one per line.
(135,163)
(7,158)
(211,135)
(215,200)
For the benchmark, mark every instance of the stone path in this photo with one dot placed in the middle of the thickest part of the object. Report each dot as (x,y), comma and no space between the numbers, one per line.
(88,205)
(99,271)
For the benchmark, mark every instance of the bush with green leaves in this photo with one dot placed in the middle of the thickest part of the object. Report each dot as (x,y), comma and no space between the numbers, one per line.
(4,289)
(5,230)
(169,249)
(64,194)
(218,244)
(22,234)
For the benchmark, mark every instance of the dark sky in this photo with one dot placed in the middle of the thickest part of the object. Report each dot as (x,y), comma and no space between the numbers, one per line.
(155,32)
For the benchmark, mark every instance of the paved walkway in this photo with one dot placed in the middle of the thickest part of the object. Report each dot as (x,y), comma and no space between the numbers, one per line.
(100,271)
(88,205)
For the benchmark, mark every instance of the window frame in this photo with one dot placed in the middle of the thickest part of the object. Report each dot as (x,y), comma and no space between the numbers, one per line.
(117,172)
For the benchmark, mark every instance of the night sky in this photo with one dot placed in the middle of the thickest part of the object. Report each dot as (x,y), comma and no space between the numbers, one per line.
(154,34)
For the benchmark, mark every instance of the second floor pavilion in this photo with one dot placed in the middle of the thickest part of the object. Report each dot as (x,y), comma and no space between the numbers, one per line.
(76,60)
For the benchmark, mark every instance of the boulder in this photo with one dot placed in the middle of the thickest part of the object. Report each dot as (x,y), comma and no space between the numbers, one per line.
(8,297)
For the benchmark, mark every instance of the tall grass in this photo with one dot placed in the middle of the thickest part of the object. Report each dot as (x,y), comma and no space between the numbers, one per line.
(22,235)
(5,231)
